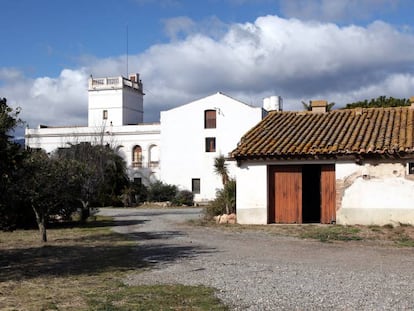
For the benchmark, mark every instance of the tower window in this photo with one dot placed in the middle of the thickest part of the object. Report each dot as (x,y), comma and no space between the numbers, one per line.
(210,144)
(210,119)
(105,115)
(195,185)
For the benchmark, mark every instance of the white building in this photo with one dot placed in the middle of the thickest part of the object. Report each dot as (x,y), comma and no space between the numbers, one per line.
(350,166)
(193,135)
(180,150)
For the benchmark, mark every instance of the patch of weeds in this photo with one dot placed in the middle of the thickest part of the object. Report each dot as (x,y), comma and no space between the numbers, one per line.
(375,228)
(157,297)
(331,233)
(403,239)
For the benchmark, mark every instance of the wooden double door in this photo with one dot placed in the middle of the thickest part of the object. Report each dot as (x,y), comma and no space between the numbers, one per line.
(302,194)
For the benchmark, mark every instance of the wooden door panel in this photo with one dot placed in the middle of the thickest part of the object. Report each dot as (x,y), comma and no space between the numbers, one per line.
(288,194)
(328,194)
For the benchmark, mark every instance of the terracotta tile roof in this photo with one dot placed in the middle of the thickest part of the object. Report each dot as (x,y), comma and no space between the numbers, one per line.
(338,132)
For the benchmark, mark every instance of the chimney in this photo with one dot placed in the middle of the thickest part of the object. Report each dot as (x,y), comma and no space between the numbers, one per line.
(319,106)
(134,77)
(273,103)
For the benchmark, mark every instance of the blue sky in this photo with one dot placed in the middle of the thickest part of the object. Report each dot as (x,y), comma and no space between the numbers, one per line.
(336,50)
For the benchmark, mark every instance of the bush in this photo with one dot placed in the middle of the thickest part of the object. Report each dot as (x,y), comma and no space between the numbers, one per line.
(183,197)
(161,192)
(225,201)
(134,194)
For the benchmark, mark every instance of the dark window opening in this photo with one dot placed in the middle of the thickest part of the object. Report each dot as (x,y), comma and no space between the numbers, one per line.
(195,185)
(210,119)
(137,180)
(105,115)
(311,193)
(411,168)
(210,144)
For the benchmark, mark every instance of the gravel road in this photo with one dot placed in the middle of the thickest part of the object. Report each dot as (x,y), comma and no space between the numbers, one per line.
(260,271)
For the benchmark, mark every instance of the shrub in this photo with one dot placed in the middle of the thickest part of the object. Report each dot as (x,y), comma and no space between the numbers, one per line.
(161,192)
(183,197)
(225,201)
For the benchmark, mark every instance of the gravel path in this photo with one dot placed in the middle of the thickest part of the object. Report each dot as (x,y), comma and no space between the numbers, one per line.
(258,271)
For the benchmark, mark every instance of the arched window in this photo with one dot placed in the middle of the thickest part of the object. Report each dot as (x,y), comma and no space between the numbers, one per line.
(137,156)
(210,119)
(153,156)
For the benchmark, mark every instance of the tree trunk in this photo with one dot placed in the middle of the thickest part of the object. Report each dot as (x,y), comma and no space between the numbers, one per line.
(41,223)
(85,213)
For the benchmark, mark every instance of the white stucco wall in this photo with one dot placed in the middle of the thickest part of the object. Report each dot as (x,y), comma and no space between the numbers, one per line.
(124,105)
(251,194)
(370,194)
(378,195)
(182,153)
(121,138)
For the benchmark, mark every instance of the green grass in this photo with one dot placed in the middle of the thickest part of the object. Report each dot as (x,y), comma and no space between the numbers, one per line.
(402,235)
(82,268)
(331,233)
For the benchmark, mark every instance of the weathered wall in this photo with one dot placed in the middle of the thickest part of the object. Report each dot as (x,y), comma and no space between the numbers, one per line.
(374,194)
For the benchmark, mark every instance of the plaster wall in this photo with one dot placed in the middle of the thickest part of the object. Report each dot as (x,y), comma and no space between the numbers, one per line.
(124,106)
(375,195)
(251,194)
(183,156)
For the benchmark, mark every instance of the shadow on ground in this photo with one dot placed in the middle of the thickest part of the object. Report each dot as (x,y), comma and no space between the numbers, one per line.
(92,254)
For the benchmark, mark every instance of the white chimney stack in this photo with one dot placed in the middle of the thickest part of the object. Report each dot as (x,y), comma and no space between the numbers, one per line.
(273,103)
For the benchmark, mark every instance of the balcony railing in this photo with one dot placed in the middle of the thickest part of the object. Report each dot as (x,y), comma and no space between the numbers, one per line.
(113,82)
(138,164)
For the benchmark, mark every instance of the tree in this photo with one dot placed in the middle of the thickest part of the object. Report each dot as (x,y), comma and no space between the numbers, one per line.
(220,168)
(103,174)
(11,156)
(381,101)
(49,187)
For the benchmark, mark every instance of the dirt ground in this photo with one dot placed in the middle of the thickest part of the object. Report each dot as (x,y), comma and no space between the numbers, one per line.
(256,268)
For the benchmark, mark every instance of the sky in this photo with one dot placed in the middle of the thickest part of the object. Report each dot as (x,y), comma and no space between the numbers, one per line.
(337,50)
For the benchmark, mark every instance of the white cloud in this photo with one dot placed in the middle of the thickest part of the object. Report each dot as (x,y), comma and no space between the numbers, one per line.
(271,56)
(45,100)
(174,27)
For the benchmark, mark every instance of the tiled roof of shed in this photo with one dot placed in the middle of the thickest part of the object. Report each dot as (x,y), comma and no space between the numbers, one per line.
(334,133)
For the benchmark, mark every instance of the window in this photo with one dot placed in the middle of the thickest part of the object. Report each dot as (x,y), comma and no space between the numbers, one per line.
(137,156)
(105,115)
(153,155)
(210,144)
(137,180)
(195,185)
(411,168)
(210,119)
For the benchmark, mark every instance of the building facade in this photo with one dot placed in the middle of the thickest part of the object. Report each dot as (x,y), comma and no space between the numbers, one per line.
(351,166)
(179,150)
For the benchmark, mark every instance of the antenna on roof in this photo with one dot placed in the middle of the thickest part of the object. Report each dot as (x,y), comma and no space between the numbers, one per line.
(127,52)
